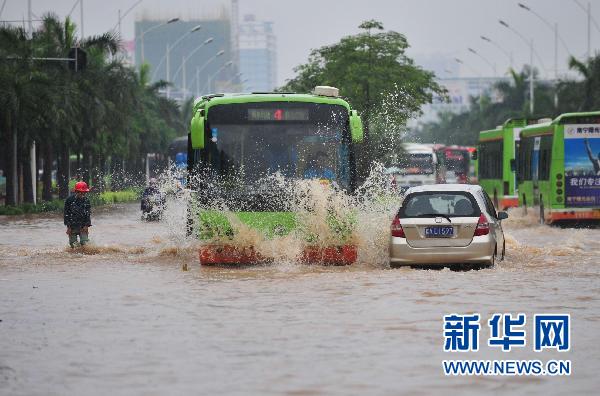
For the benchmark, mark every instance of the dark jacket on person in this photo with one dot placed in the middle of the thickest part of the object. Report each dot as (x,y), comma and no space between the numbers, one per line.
(77,211)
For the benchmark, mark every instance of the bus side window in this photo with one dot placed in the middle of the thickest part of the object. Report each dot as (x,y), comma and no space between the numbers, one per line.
(490,160)
(525,149)
(545,157)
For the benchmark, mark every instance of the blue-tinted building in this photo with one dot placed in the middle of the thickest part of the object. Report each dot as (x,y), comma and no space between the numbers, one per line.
(257,55)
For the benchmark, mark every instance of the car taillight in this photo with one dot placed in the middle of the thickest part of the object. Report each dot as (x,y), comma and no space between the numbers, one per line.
(483,227)
(397,230)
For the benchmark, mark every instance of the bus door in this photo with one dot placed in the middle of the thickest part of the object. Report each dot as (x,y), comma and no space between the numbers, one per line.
(513,166)
(535,170)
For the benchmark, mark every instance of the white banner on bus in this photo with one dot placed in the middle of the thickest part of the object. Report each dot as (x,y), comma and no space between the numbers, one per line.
(579,131)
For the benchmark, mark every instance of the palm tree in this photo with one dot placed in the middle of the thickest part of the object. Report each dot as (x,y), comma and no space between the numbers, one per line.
(17,91)
(586,72)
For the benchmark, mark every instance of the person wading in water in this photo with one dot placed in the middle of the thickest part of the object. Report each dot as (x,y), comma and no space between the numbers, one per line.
(77,214)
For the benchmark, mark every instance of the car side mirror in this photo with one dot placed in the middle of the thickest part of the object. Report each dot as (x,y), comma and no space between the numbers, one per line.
(356,129)
(197,130)
(502,215)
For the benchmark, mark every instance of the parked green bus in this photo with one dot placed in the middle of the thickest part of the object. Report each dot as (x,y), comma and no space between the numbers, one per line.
(559,168)
(238,140)
(497,151)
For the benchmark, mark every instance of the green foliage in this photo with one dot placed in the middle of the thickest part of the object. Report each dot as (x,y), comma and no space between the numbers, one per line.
(108,114)
(113,197)
(372,70)
(56,205)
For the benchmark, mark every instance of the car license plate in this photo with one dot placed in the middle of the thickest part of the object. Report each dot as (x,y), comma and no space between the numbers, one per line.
(439,232)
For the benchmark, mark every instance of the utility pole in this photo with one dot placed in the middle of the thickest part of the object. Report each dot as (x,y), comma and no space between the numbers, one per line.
(183,77)
(168,71)
(33,170)
(81,16)
(589,30)
(29,13)
(120,24)
(531,95)
(555,65)
(197,82)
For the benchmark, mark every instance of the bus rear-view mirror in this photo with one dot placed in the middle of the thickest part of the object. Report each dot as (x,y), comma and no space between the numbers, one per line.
(356,129)
(197,130)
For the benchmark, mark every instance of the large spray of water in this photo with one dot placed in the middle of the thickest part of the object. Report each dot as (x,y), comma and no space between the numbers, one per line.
(278,218)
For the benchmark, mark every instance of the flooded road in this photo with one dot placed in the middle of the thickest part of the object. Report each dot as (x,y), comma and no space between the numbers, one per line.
(121,317)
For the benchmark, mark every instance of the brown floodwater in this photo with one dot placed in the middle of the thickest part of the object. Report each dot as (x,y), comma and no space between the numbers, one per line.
(123,317)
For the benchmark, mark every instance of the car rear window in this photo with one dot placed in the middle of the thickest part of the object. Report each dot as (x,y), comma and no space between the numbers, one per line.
(455,204)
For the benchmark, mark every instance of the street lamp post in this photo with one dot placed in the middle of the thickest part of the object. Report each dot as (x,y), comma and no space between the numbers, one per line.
(199,69)
(460,62)
(121,16)
(590,19)
(237,76)
(151,29)
(495,44)
(212,76)
(167,56)
(493,66)
(553,27)
(186,58)
(531,50)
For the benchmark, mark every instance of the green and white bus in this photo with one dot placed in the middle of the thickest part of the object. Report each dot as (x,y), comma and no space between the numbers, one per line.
(497,151)
(237,140)
(559,168)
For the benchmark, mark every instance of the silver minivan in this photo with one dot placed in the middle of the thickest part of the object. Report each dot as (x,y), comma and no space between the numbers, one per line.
(444,224)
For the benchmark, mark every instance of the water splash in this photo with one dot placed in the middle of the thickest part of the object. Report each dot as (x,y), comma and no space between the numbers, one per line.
(324,215)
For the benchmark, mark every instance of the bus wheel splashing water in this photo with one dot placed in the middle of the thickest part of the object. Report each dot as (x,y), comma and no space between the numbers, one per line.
(302,221)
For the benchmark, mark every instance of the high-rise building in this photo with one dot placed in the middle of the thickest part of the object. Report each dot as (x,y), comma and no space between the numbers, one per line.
(196,61)
(257,54)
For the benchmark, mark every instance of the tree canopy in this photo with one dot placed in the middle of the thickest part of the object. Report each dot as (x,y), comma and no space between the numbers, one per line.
(373,72)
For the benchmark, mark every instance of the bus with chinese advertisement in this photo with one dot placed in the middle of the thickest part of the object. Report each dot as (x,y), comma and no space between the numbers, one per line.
(496,168)
(239,141)
(559,168)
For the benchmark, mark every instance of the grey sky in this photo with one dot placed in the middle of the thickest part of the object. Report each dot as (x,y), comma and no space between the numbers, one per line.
(433,27)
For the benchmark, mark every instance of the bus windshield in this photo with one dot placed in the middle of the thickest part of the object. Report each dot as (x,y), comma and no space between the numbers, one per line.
(415,164)
(299,140)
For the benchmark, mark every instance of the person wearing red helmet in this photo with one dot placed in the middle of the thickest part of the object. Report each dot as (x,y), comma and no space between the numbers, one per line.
(77,214)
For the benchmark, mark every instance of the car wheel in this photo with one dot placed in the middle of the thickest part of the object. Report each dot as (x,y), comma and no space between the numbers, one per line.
(492,261)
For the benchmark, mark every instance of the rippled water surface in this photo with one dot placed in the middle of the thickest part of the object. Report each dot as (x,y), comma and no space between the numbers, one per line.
(122,317)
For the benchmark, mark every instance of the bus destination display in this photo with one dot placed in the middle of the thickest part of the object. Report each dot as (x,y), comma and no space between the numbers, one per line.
(278,115)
